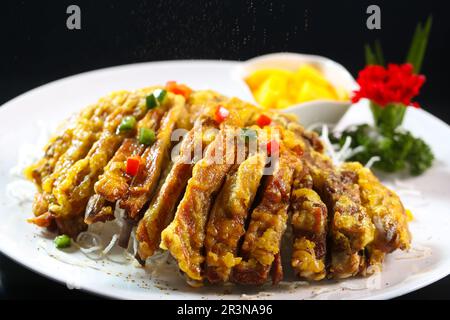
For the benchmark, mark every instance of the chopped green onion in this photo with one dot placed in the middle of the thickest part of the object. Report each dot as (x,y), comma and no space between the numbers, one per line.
(146,136)
(160,95)
(151,101)
(248,134)
(156,98)
(127,124)
(62,241)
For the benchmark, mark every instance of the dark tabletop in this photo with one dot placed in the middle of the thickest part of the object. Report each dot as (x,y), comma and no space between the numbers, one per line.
(38,48)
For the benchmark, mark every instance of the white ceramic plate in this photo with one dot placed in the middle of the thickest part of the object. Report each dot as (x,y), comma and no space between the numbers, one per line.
(428,261)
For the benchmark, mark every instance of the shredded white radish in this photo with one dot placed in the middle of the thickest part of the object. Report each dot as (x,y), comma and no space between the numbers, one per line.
(328,146)
(344,150)
(371,161)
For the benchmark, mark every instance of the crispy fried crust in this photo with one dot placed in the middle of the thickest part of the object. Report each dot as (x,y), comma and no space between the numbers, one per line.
(387,214)
(65,149)
(226,224)
(385,209)
(72,193)
(71,138)
(161,210)
(351,228)
(114,182)
(154,157)
(184,237)
(309,226)
(267,224)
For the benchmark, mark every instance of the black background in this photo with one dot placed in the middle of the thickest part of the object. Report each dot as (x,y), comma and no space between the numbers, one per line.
(36,47)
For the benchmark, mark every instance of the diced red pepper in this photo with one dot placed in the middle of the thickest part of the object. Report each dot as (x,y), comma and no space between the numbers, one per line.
(273,147)
(43,221)
(181,89)
(133,164)
(263,121)
(221,114)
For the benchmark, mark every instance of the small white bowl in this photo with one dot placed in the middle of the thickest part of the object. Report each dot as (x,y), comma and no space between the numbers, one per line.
(310,112)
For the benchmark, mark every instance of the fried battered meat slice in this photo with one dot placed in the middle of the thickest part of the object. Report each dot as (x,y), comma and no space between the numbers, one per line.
(267,224)
(309,226)
(74,129)
(226,224)
(154,157)
(161,210)
(65,149)
(113,184)
(387,214)
(351,228)
(185,235)
(71,194)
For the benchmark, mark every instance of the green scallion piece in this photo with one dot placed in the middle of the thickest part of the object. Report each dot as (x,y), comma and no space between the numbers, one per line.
(156,98)
(160,95)
(151,101)
(146,136)
(62,241)
(127,124)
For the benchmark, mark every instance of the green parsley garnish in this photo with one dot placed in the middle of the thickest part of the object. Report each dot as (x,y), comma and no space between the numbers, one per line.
(398,150)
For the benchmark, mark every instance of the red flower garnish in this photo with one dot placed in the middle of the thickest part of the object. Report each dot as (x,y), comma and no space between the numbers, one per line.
(394,84)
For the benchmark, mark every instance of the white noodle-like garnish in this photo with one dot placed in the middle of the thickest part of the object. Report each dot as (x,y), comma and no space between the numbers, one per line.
(371,161)
(88,242)
(328,146)
(111,244)
(340,155)
(134,242)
